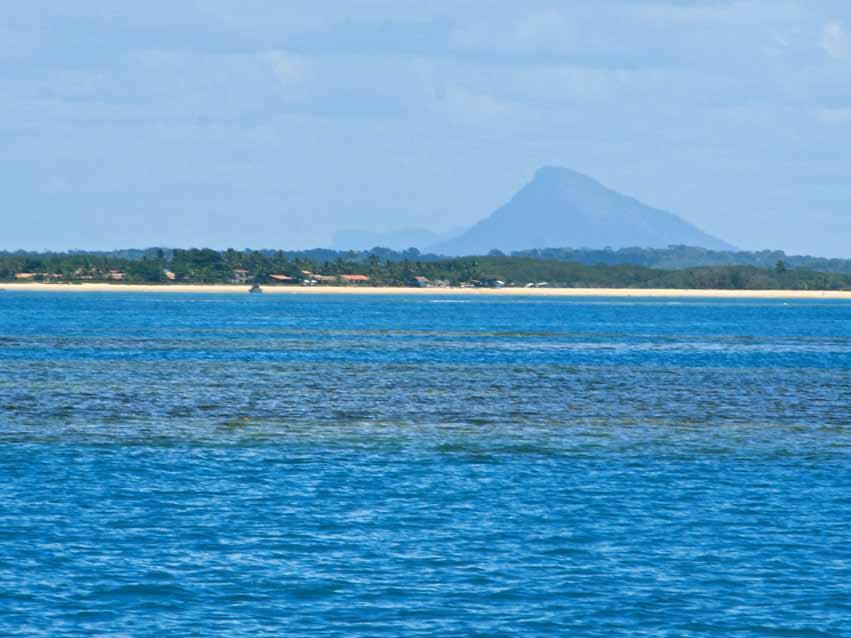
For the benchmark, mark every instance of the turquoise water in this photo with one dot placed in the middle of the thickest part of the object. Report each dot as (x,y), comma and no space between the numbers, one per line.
(190,465)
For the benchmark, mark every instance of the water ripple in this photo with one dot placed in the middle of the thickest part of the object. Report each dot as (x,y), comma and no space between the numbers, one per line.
(190,466)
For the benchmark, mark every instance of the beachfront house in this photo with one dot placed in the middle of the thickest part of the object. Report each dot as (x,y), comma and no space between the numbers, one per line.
(281,279)
(84,274)
(38,276)
(239,276)
(354,279)
(308,278)
(312,279)
(421,282)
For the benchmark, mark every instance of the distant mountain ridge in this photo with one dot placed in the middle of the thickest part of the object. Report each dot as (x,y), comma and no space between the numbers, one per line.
(681,257)
(352,239)
(565,209)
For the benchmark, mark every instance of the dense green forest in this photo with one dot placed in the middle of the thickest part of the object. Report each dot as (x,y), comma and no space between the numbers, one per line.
(671,258)
(232,266)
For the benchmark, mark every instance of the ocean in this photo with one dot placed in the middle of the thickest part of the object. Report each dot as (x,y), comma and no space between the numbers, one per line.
(318,465)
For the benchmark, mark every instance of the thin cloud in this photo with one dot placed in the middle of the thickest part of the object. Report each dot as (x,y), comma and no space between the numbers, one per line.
(835,41)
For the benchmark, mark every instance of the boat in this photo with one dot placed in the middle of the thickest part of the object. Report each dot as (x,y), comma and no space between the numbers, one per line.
(255,289)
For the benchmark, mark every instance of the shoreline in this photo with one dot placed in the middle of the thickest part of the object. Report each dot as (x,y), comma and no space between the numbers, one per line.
(384,290)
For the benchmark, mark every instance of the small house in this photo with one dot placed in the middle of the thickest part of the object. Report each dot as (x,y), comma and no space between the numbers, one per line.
(83,274)
(239,276)
(354,279)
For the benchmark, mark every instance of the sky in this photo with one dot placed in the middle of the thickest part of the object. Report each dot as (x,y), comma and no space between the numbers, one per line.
(274,123)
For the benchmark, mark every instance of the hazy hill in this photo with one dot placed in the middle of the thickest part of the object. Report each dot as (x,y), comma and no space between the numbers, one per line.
(351,239)
(563,208)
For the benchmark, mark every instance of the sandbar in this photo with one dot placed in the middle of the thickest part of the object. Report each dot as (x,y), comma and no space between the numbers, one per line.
(387,290)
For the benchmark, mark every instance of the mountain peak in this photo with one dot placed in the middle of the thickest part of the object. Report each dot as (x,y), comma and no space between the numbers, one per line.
(552,171)
(562,208)
(564,181)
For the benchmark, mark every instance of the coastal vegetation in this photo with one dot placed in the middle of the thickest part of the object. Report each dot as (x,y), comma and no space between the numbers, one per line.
(388,268)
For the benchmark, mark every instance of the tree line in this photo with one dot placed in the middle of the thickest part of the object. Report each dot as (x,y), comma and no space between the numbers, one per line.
(681,257)
(212,266)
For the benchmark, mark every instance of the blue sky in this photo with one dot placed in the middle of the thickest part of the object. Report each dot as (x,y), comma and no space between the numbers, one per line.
(272,124)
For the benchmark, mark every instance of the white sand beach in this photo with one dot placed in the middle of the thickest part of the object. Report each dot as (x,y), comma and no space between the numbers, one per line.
(378,290)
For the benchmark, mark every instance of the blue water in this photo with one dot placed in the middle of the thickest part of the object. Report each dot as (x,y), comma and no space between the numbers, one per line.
(189,465)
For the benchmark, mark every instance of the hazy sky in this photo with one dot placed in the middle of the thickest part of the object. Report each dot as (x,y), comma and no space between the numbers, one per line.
(269,123)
